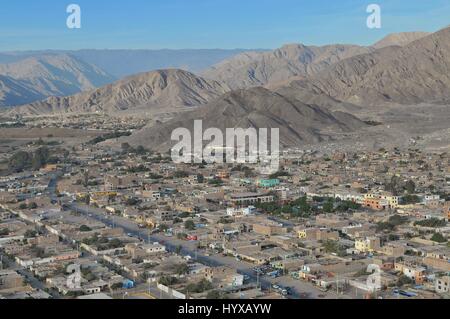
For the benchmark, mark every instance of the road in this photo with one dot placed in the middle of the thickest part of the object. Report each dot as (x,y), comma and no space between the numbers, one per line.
(300,289)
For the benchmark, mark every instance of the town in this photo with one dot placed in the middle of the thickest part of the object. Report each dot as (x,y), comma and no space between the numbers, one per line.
(329,224)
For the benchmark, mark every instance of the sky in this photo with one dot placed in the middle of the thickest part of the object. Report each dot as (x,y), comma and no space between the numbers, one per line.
(208,24)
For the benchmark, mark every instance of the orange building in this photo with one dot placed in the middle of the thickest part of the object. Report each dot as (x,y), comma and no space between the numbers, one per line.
(376,203)
(223,175)
(447,211)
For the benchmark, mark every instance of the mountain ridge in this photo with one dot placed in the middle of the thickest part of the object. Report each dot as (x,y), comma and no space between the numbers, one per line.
(156,89)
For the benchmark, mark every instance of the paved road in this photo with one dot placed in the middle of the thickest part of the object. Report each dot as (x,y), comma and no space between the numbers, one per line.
(171,244)
(300,289)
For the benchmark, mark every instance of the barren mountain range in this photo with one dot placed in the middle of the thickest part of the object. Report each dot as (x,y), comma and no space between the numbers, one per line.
(293,60)
(36,78)
(400,39)
(416,73)
(308,92)
(298,122)
(157,89)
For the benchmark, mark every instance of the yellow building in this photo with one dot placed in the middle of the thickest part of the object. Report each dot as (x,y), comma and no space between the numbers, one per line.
(367,245)
(393,201)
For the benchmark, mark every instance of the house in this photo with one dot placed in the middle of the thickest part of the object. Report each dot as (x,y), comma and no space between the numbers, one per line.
(412,271)
(323,234)
(446,211)
(224,277)
(376,203)
(248,199)
(442,284)
(269,229)
(381,201)
(267,183)
(393,250)
(10,279)
(368,245)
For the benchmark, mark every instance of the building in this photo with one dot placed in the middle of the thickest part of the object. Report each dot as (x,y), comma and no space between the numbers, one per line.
(412,271)
(376,203)
(323,234)
(10,280)
(392,250)
(442,285)
(248,199)
(381,201)
(224,277)
(368,245)
(446,211)
(267,183)
(269,229)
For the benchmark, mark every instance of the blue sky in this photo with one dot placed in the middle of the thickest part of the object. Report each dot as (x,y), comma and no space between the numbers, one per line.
(177,24)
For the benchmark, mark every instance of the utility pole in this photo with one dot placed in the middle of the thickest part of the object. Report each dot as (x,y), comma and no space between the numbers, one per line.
(257,280)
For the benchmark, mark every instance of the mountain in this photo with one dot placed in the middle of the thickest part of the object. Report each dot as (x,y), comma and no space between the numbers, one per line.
(416,73)
(299,123)
(14,91)
(293,60)
(400,39)
(159,89)
(123,63)
(36,78)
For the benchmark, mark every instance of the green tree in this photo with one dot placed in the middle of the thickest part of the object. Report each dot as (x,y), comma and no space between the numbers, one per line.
(33,205)
(410,187)
(404,280)
(182,269)
(328,207)
(84,228)
(40,158)
(189,225)
(439,238)
(19,162)
(216,295)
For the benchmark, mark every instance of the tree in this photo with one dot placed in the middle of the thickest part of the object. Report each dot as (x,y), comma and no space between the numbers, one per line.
(411,199)
(200,178)
(40,158)
(19,162)
(404,280)
(84,228)
(125,147)
(182,269)
(86,179)
(328,207)
(167,280)
(163,227)
(30,233)
(432,222)
(189,225)
(116,285)
(410,187)
(216,295)
(439,238)
(140,150)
